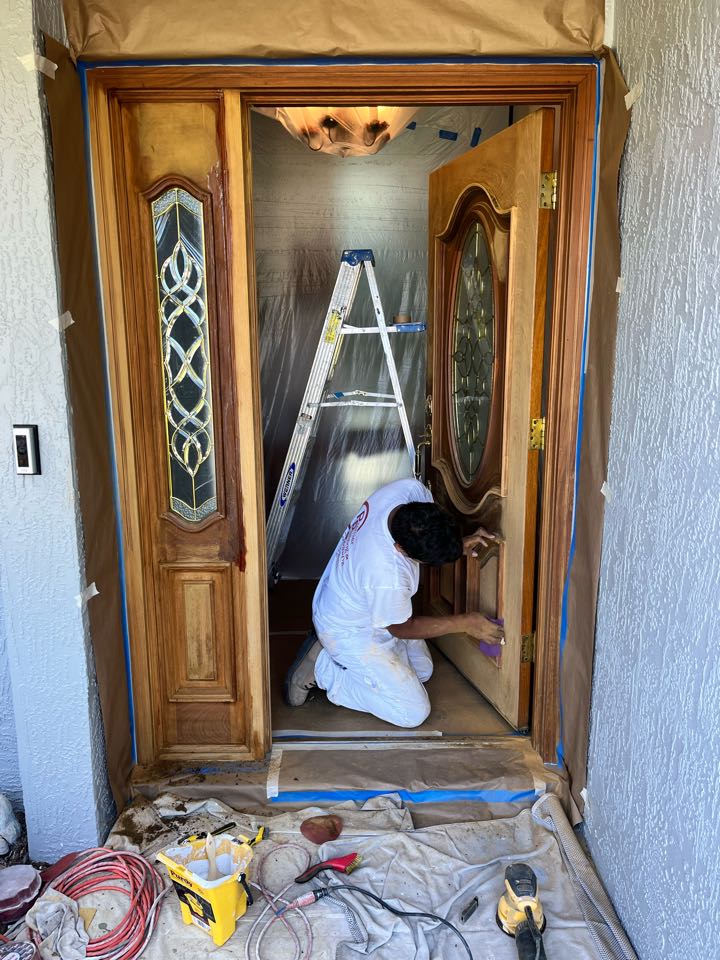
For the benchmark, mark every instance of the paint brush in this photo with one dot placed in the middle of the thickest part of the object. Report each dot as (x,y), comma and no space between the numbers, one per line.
(210,853)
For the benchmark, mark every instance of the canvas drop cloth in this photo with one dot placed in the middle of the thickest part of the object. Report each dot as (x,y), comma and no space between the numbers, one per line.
(436,869)
(118,29)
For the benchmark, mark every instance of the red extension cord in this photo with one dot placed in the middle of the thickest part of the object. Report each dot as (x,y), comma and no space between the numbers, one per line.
(100,869)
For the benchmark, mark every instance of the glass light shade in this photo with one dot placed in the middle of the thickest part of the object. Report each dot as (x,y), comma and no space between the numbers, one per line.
(343,131)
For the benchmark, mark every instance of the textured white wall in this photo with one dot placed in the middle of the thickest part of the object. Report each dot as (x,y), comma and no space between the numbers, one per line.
(60,749)
(653,818)
(9,763)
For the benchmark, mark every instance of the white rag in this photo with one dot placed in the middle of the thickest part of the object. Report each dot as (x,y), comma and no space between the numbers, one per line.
(56,919)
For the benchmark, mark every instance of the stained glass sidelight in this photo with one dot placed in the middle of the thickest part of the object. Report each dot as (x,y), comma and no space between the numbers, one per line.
(473,351)
(182,303)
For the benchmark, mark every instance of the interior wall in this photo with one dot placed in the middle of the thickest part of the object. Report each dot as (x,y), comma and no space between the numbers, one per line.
(308,208)
(655,728)
(60,749)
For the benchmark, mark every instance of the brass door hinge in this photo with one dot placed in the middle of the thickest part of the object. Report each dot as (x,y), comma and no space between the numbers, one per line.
(548,190)
(424,441)
(537,433)
(527,650)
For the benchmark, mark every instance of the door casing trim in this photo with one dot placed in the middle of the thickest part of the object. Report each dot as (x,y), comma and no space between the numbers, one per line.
(571,85)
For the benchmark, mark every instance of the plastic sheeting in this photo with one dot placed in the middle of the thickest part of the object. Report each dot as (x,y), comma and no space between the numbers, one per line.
(307,208)
(108,29)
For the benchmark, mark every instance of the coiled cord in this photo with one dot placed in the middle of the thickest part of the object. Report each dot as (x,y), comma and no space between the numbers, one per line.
(399,913)
(273,901)
(101,869)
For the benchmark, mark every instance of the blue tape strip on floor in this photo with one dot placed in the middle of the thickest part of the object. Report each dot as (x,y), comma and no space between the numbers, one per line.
(475,140)
(408,796)
(447,135)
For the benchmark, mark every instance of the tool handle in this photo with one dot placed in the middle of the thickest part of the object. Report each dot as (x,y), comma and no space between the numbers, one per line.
(529,942)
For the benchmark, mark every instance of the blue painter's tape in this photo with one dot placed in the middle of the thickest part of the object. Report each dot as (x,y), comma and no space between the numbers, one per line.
(408,796)
(354,257)
(475,139)
(560,749)
(447,135)
(111,429)
(83,65)
(411,126)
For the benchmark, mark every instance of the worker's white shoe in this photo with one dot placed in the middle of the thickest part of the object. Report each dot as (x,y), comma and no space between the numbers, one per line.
(300,677)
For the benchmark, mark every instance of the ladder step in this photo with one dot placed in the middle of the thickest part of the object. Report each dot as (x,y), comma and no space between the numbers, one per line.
(359,403)
(393,328)
(339,394)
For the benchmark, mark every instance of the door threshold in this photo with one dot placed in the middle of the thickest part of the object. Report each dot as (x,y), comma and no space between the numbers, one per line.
(350,742)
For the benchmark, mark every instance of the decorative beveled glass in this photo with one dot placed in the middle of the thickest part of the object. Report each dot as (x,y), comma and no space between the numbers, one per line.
(179,232)
(472,352)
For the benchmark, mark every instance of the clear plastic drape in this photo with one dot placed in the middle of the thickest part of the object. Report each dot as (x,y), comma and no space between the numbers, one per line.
(308,208)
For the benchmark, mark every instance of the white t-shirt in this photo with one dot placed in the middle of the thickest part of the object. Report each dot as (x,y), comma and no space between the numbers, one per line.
(368,584)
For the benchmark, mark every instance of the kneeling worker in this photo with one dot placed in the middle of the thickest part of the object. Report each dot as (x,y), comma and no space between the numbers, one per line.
(367,653)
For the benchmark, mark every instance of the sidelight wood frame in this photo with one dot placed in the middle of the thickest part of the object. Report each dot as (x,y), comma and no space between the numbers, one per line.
(572,88)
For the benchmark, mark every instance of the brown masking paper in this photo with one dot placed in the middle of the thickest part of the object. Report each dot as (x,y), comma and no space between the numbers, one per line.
(86,375)
(119,29)
(577,662)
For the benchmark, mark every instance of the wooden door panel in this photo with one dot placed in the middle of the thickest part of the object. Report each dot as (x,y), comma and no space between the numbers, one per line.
(488,301)
(198,632)
(175,241)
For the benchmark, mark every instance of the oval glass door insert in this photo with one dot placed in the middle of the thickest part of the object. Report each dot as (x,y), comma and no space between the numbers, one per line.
(472,352)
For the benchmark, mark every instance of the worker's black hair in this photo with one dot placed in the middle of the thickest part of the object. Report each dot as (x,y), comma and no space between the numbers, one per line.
(427,533)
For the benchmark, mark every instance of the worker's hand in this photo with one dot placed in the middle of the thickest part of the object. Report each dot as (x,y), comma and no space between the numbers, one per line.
(481,538)
(483,628)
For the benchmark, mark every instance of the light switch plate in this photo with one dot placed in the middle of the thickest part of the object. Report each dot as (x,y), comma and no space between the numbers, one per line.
(26,448)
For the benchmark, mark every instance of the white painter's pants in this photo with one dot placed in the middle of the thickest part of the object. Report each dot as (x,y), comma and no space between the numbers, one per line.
(376,674)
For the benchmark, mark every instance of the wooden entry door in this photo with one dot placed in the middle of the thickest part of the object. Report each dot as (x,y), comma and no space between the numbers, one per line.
(181,361)
(488,269)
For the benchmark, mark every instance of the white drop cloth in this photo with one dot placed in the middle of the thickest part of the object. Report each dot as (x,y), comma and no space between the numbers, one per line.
(437,869)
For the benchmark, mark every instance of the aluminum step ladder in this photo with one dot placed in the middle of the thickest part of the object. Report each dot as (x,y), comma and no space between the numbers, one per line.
(353,263)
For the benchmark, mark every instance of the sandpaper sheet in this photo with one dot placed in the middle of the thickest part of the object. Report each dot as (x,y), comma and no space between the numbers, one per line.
(121,29)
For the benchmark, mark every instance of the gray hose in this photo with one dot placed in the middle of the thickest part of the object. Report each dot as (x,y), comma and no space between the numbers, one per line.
(599,914)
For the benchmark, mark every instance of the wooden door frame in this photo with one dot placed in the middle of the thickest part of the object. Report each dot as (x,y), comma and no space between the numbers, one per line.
(573,87)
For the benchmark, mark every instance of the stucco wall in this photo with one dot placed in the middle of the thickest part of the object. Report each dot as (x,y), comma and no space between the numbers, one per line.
(60,751)
(9,764)
(653,816)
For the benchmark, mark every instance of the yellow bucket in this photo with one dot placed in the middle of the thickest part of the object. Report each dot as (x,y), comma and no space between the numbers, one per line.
(212,905)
